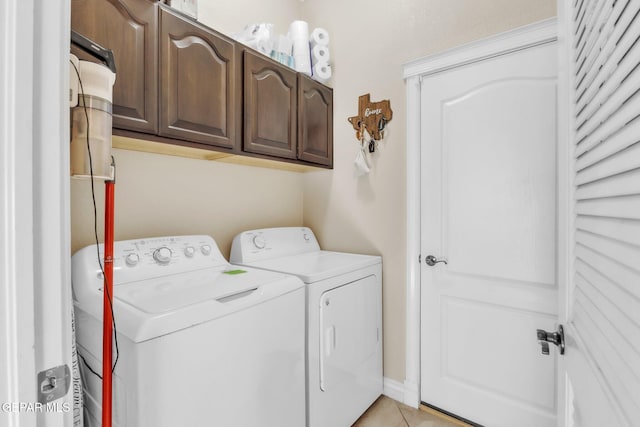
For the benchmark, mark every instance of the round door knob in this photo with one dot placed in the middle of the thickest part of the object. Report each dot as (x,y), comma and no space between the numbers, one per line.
(205,249)
(132,259)
(162,255)
(259,242)
(189,251)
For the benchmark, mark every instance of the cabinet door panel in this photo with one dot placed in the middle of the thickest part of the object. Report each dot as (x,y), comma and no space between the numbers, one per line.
(270,107)
(129,29)
(197,83)
(315,125)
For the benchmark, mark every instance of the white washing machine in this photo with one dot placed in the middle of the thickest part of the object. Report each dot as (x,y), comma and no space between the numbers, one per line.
(201,342)
(344,318)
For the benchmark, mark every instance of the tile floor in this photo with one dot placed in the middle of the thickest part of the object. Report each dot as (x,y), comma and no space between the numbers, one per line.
(386,412)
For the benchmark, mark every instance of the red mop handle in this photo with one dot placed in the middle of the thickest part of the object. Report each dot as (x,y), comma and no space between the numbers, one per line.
(107,331)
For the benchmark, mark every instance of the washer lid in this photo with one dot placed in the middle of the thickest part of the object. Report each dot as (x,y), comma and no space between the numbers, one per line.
(312,267)
(151,308)
(178,292)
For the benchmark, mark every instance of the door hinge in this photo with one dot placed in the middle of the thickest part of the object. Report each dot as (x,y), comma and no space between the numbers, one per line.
(53,383)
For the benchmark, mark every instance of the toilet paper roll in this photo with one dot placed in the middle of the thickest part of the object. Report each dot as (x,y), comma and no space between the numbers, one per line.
(320,54)
(319,37)
(322,72)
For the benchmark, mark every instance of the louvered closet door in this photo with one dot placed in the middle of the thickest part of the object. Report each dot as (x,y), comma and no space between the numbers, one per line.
(603,324)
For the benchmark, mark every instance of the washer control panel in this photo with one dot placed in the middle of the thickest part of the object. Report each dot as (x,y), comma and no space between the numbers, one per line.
(143,259)
(266,243)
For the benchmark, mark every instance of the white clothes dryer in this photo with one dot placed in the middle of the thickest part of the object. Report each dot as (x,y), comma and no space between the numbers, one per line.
(201,342)
(344,318)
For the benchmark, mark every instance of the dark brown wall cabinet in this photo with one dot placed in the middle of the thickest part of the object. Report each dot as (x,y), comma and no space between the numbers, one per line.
(129,29)
(270,107)
(197,82)
(180,82)
(286,114)
(315,122)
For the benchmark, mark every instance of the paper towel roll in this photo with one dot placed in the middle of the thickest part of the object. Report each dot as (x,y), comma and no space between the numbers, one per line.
(299,34)
(299,29)
(319,36)
(302,64)
(322,72)
(320,54)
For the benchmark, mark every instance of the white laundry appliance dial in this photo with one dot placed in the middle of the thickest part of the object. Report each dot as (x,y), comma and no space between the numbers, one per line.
(205,249)
(132,259)
(162,255)
(259,242)
(189,251)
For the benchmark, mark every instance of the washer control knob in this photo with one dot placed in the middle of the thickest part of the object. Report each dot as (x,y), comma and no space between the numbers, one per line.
(205,249)
(259,242)
(306,237)
(162,255)
(189,251)
(132,259)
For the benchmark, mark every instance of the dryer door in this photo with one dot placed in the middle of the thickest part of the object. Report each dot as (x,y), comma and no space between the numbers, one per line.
(350,333)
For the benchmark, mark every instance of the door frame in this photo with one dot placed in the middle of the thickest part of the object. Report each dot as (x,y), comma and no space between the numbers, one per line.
(414,72)
(35,267)
(17,336)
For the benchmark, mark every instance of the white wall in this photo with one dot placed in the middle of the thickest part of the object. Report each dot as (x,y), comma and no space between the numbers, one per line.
(370,41)
(163,195)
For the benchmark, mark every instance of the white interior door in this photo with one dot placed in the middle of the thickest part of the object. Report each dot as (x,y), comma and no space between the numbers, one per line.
(488,206)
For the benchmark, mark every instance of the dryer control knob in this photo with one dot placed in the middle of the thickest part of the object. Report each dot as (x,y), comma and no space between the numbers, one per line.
(132,259)
(259,242)
(205,249)
(162,255)
(306,237)
(189,251)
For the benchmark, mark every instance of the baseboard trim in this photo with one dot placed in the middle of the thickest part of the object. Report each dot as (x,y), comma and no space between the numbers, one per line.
(393,389)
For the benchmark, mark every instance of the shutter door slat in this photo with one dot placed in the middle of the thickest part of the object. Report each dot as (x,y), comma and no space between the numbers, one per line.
(583,18)
(612,104)
(627,113)
(601,49)
(578,9)
(617,85)
(581,28)
(624,184)
(624,230)
(617,207)
(594,26)
(619,325)
(625,137)
(624,253)
(626,279)
(624,161)
(602,64)
(625,303)
(620,347)
(611,362)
